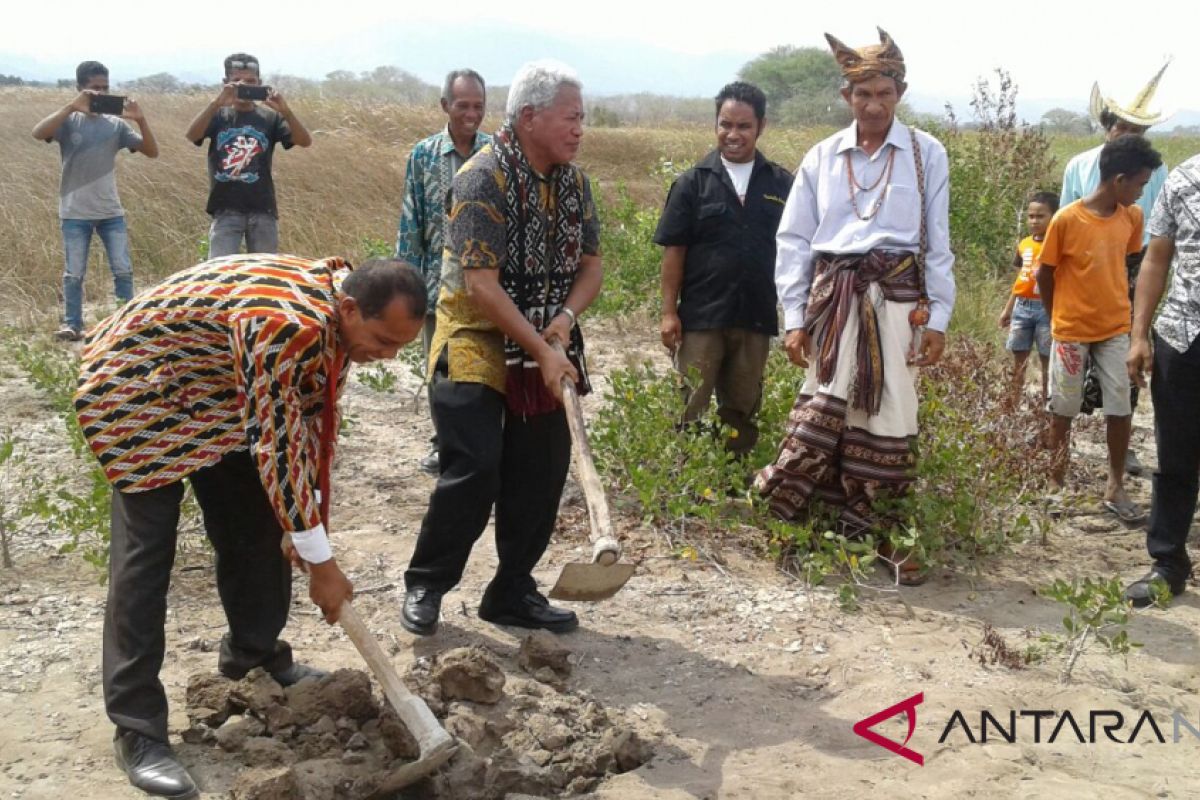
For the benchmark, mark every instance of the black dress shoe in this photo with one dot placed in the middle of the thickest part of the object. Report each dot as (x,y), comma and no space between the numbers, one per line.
(1141,594)
(430,464)
(531,611)
(152,767)
(296,673)
(421,609)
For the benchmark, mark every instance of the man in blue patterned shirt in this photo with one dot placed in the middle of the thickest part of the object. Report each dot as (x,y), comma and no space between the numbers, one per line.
(431,165)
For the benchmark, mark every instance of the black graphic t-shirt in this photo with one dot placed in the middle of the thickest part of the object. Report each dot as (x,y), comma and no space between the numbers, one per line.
(240,147)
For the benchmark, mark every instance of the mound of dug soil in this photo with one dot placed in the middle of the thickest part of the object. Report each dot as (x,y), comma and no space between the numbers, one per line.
(334,738)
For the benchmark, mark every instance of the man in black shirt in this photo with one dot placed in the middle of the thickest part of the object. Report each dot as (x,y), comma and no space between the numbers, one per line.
(242,137)
(718,267)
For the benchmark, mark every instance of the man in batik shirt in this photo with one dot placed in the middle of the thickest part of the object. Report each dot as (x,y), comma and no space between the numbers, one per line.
(522,263)
(864,275)
(1175,380)
(226,374)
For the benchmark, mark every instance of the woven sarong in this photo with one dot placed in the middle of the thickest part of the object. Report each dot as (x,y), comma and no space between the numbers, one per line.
(850,436)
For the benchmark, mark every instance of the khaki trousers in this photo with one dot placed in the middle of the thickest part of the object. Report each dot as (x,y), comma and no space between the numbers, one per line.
(731,362)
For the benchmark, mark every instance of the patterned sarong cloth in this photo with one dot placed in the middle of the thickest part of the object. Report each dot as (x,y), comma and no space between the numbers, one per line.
(540,265)
(850,437)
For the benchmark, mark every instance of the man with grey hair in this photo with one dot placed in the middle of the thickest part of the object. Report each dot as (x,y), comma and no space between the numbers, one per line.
(522,262)
(431,165)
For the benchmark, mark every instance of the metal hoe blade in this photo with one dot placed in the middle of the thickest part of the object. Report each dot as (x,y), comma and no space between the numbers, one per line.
(604,576)
(581,581)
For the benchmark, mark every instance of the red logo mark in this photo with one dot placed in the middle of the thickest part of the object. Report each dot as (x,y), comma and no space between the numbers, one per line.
(907,707)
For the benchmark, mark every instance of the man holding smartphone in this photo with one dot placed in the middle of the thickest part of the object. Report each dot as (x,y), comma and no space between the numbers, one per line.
(90,131)
(242,136)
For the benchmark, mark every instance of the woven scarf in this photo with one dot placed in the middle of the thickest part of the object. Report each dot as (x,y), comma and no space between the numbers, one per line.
(837,280)
(542,256)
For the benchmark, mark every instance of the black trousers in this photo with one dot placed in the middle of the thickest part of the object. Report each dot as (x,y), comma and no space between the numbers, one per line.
(253,579)
(1133,267)
(489,457)
(1175,392)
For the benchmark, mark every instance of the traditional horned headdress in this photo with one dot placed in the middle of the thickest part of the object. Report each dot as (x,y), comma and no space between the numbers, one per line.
(884,59)
(1136,113)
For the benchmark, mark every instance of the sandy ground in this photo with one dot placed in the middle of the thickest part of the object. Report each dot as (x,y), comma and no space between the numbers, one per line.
(747,682)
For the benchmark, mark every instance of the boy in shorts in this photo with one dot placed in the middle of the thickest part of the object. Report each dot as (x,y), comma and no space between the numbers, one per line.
(1085,289)
(1024,315)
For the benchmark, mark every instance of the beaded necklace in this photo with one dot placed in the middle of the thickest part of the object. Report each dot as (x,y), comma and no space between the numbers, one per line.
(885,177)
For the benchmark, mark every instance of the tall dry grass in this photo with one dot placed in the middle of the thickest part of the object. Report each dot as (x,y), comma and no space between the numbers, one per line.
(334,197)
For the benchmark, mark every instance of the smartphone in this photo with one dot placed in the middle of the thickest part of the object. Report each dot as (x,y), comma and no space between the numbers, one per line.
(250,91)
(107,104)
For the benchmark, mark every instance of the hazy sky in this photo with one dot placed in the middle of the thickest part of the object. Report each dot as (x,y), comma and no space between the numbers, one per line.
(1054,50)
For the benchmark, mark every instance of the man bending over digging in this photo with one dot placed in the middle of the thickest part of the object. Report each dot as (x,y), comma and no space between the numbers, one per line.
(226,374)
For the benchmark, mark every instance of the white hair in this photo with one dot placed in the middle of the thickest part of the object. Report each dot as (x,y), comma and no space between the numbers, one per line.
(537,84)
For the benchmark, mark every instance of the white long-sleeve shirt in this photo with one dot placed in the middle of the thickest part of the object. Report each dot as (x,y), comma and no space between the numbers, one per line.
(819,217)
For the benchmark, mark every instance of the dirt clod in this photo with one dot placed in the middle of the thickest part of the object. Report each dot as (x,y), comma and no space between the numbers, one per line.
(266,784)
(209,699)
(469,673)
(540,651)
(344,693)
(232,735)
(258,692)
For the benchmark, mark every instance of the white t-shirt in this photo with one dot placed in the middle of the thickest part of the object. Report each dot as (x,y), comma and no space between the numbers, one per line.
(740,175)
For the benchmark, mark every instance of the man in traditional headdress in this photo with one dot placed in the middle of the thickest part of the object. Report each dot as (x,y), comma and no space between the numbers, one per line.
(522,263)
(1082,176)
(864,273)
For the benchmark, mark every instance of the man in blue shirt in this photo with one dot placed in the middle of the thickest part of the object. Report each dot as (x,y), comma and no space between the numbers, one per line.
(431,165)
(1082,175)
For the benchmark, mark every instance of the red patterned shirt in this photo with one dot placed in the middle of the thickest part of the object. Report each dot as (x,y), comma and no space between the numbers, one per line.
(228,355)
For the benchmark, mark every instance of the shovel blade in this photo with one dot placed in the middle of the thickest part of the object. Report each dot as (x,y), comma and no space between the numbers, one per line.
(415,771)
(590,582)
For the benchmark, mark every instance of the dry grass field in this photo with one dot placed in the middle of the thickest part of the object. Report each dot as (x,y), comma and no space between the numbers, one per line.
(334,197)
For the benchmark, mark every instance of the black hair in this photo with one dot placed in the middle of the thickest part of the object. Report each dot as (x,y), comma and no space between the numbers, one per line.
(1048,199)
(86,70)
(375,283)
(453,75)
(742,92)
(244,58)
(1127,154)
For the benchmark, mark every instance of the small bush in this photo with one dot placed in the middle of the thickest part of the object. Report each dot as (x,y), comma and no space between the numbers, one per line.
(975,473)
(631,259)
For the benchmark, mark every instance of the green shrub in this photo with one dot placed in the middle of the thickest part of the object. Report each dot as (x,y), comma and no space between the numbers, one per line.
(993,169)
(631,259)
(975,471)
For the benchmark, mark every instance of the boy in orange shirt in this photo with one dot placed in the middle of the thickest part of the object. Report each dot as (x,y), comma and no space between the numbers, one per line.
(1024,314)
(1086,292)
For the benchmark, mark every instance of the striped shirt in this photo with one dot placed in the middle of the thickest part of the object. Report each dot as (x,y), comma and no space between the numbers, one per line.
(228,355)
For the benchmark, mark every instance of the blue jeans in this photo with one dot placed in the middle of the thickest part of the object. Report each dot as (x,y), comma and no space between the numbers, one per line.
(1030,326)
(260,230)
(77,239)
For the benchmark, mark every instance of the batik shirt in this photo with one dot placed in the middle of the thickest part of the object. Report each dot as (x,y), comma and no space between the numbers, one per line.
(427,179)
(476,239)
(229,355)
(1177,216)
